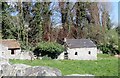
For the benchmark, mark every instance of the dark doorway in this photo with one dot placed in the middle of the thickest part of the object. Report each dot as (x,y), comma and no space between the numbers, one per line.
(12,52)
(65,55)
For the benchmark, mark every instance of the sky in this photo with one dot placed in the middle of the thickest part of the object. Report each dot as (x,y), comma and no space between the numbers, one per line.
(114,13)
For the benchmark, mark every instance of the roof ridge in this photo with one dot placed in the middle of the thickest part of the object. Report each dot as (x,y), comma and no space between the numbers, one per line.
(81,43)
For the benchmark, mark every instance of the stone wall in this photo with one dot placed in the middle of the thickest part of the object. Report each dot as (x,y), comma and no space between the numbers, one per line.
(24,55)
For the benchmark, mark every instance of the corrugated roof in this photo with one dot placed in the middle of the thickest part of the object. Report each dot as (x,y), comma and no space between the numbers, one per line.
(10,43)
(79,43)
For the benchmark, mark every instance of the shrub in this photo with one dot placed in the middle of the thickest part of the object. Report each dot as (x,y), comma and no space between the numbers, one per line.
(108,49)
(51,49)
(46,58)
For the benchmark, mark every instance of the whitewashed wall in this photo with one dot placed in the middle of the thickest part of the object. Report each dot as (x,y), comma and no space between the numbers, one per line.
(2,58)
(82,54)
(7,53)
(61,56)
(16,55)
(4,52)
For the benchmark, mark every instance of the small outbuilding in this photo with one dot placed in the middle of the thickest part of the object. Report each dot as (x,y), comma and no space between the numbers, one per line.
(9,48)
(79,49)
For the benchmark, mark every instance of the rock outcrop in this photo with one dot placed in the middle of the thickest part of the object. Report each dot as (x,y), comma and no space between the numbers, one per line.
(26,70)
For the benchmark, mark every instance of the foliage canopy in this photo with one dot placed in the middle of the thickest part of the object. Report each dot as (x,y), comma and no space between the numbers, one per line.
(51,49)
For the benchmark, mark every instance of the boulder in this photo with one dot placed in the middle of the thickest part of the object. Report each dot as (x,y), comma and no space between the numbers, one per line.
(6,68)
(26,70)
(40,71)
(3,64)
(18,69)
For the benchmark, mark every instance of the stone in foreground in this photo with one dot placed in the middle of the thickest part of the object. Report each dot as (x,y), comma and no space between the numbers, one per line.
(26,70)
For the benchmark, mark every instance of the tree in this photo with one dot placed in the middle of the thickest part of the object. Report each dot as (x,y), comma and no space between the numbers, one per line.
(46,22)
(64,8)
(9,29)
(35,24)
(80,8)
(118,31)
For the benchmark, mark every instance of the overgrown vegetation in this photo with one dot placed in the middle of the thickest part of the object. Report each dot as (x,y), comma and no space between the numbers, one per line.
(37,22)
(51,49)
(109,49)
(110,43)
(118,31)
(32,23)
(106,65)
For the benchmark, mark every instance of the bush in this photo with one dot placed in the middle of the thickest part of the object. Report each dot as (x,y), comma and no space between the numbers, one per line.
(108,49)
(46,58)
(51,49)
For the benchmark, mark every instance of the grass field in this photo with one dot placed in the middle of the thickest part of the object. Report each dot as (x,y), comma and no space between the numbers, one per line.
(106,65)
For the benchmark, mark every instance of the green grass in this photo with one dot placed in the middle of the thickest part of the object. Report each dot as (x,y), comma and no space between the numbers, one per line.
(105,65)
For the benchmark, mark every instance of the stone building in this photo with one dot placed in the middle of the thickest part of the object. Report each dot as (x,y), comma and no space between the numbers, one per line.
(9,48)
(79,49)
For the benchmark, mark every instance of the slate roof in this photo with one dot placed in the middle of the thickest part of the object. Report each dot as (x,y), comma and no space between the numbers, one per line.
(10,43)
(79,43)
